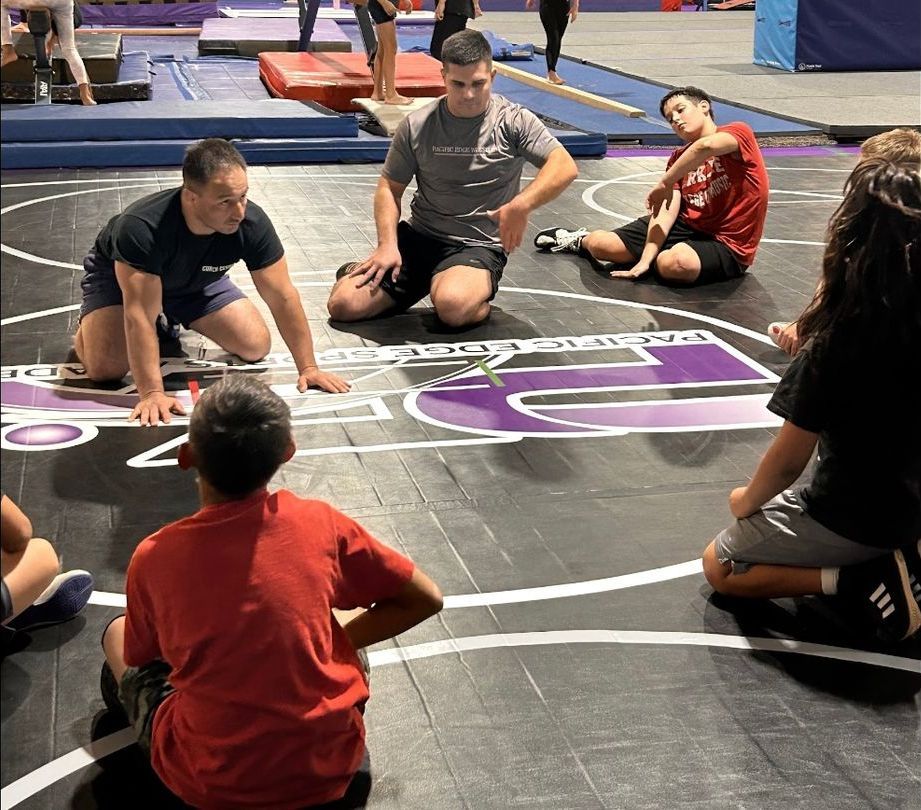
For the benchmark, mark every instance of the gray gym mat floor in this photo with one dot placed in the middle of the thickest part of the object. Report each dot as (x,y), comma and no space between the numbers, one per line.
(622,683)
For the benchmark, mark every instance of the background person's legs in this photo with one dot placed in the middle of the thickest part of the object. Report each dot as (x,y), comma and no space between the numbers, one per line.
(385,65)
(63,13)
(6,36)
(461,295)
(445,27)
(555,18)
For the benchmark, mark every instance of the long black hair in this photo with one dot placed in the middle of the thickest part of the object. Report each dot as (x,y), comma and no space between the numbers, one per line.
(871,272)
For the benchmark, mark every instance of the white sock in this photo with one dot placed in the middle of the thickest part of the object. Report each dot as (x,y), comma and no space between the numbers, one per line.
(830,581)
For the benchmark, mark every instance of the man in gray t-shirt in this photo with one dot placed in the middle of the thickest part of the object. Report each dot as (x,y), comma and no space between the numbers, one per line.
(466,152)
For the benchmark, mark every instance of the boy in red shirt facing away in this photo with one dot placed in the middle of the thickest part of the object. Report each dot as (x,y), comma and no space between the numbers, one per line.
(706,212)
(241,684)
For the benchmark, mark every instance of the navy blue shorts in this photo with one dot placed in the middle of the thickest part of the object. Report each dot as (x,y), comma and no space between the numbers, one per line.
(101,290)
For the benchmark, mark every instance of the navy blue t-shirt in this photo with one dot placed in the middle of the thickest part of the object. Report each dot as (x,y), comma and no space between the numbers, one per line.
(862,395)
(151,235)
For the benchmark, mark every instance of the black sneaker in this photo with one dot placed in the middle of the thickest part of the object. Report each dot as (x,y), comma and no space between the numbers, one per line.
(63,599)
(881,589)
(167,328)
(559,240)
(345,270)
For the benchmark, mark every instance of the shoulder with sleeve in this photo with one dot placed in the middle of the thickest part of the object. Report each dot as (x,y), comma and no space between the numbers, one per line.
(524,129)
(145,225)
(808,389)
(261,246)
(745,137)
(677,153)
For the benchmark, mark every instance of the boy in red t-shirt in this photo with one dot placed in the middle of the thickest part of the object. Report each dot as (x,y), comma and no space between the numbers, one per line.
(706,213)
(229,663)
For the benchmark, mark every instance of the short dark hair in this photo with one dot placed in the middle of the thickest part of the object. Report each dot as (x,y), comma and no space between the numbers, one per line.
(467,47)
(694,94)
(240,431)
(204,159)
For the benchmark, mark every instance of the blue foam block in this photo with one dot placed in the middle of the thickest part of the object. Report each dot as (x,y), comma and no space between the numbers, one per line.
(134,120)
(259,152)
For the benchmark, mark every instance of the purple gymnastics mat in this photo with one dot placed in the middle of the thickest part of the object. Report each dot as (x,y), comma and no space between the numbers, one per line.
(140,15)
(250,37)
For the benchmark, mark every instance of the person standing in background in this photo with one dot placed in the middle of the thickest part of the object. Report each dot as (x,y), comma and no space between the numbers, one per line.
(450,17)
(555,16)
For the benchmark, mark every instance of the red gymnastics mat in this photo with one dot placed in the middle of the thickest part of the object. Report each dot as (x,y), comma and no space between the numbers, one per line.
(334,79)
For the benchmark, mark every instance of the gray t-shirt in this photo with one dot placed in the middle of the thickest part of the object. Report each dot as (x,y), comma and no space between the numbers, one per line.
(465,167)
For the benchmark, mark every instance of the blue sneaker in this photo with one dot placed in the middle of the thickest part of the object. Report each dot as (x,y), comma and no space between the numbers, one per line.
(63,599)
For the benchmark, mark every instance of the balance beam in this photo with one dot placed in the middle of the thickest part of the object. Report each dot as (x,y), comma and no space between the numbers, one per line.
(568,92)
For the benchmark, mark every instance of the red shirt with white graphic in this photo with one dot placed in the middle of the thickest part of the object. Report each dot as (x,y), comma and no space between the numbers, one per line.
(727,196)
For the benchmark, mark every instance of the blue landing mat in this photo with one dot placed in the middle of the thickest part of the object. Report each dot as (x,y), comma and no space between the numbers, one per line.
(271,118)
(259,152)
(649,130)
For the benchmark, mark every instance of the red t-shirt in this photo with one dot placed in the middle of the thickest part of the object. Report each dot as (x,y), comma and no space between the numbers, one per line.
(237,599)
(727,196)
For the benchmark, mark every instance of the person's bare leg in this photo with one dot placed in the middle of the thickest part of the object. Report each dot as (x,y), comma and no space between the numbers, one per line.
(377,94)
(679,264)
(113,643)
(29,572)
(387,47)
(461,294)
(349,303)
(761,581)
(100,344)
(607,246)
(6,37)
(237,328)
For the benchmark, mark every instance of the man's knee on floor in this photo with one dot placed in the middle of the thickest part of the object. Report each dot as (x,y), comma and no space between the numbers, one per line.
(456,310)
(341,307)
(104,369)
(673,266)
(260,346)
(717,573)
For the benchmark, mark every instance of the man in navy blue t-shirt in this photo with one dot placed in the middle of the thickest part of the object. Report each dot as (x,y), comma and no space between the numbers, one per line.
(170,253)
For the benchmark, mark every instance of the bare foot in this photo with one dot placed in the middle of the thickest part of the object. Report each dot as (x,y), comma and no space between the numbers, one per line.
(86,95)
(554,78)
(397,100)
(9,55)
(375,97)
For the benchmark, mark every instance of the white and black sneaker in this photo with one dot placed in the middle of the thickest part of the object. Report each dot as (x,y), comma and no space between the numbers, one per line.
(882,589)
(559,240)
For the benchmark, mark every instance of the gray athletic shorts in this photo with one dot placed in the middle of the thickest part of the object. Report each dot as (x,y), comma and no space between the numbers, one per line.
(783,533)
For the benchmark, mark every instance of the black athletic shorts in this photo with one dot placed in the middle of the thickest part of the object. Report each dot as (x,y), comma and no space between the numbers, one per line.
(376,10)
(717,262)
(423,257)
